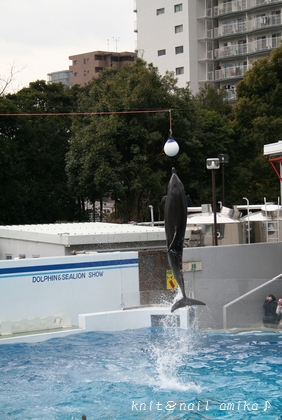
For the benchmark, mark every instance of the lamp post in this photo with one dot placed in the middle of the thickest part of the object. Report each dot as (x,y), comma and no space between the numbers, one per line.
(213,164)
(248,210)
(223,159)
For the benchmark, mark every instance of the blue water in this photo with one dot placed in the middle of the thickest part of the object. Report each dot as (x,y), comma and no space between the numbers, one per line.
(146,374)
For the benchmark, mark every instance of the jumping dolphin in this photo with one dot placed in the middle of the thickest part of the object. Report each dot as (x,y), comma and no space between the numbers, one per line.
(175,226)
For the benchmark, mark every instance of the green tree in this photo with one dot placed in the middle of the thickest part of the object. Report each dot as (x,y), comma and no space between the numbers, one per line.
(258,122)
(212,133)
(37,146)
(213,99)
(13,192)
(121,154)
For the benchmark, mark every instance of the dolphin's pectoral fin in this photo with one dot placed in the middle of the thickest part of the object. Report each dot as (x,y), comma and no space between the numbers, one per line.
(181,303)
(172,242)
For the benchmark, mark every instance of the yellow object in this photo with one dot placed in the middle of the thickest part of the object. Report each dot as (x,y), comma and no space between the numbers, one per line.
(171,283)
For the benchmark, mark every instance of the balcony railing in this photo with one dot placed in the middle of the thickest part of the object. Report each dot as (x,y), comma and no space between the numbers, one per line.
(207,78)
(207,34)
(208,13)
(239,5)
(231,72)
(208,55)
(234,6)
(230,51)
(241,27)
(259,45)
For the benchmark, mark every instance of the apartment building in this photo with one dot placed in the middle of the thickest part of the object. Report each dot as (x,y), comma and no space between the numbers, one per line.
(88,65)
(62,76)
(207,41)
(167,37)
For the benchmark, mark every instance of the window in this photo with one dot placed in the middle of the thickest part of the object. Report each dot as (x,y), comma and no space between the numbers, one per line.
(160,11)
(261,42)
(242,46)
(276,17)
(161,52)
(261,20)
(276,40)
(242,25)
(179,50)
(178,28)
(126,58)
(178,8)
(179,70)
(98,57)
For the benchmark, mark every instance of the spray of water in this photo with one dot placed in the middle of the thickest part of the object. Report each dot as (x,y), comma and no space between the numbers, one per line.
(170,352)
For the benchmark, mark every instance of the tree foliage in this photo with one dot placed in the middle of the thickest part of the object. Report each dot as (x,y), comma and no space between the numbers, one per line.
(121,154)
(32,154)
(258,122)
(51,166)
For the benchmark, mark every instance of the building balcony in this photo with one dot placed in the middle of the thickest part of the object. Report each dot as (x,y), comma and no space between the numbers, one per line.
(258,23)
(208,55)
(208,13)
(240,5)
(259,45)
(207,78)
(208,34)
(227,73)
(234,6)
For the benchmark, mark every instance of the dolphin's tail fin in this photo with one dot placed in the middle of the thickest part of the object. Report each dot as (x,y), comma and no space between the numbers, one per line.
(181,303)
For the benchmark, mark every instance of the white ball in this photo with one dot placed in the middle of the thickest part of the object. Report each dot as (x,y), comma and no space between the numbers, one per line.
(171,147)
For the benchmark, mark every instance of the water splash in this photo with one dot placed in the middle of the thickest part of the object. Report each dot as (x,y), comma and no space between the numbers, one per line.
(170,353)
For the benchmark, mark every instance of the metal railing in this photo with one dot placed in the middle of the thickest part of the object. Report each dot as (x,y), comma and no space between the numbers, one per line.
(231,72)
(243,312)
(234,49)
(239,5)
(260,22)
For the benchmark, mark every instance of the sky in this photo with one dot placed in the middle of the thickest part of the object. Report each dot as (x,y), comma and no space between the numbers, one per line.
(38,36)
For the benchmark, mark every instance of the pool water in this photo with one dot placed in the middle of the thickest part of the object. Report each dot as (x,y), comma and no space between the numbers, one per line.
(151,373)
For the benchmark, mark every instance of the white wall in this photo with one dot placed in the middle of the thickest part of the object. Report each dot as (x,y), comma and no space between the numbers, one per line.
(156,32)
(15,247)
(229,272)
(72,284)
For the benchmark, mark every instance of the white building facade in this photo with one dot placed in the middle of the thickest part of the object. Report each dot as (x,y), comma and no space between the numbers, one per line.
(207,41)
